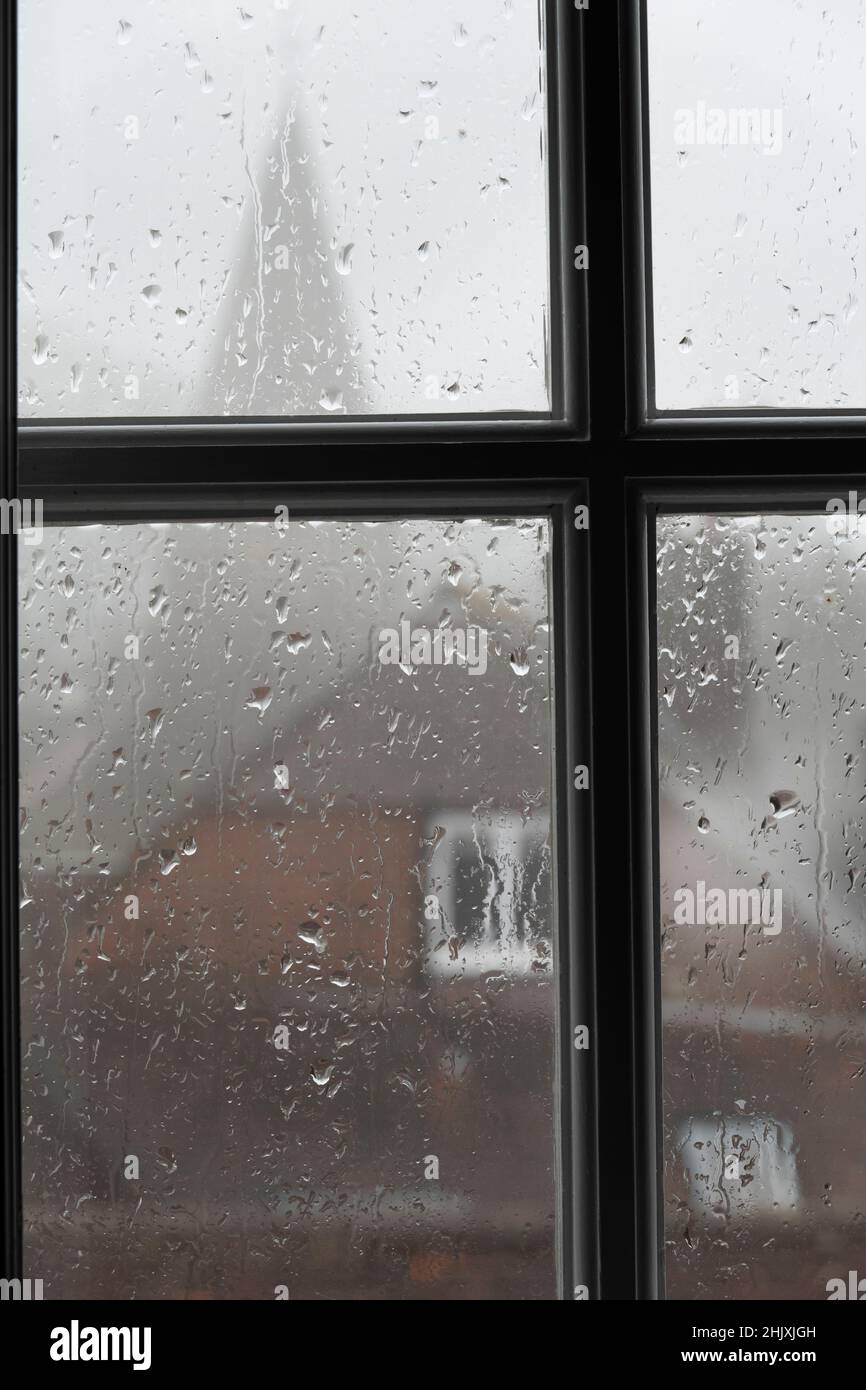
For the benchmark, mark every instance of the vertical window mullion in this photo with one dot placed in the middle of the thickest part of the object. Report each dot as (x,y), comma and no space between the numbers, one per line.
(9,987)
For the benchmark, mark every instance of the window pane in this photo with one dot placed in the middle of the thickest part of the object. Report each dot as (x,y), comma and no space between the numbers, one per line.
(288,982)
(305,209)
(762,741)
(755,117)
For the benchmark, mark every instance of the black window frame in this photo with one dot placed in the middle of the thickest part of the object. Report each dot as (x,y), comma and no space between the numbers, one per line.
(603,595)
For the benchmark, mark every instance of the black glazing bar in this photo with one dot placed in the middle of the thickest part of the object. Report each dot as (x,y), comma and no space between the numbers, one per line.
(162,468)
(579,1256)
(623,899)
(711,426)
(9,1005)
(637,215)
(641,650)
(584,916)
(307,497)
(567,201)
(607,147)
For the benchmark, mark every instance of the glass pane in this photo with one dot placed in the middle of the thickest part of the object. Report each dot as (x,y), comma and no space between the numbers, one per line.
(288,978)
(756,113)
(762,749)
(311,208)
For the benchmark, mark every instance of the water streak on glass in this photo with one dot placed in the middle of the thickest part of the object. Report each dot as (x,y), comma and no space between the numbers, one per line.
(302,209)
(762,784)
(288,977)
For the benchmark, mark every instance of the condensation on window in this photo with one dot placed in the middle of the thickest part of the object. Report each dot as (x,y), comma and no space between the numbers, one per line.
(287,956)
(756,115)
(762,783)
(302,209)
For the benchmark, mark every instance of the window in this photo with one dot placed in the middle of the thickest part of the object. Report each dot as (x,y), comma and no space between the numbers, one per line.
(749,869)
(761,861)
(302,211)
(288,946)
(430,822)
(752,111)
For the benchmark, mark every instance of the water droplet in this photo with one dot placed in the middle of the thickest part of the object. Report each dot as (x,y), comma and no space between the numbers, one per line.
(124,32)
(784,803)
(703,825)
(151,293)
(157,601)
(156,717)
(344,259)
(520,662)
(168,861)
(57,245)
(260,698)
(331,399)
(313,936)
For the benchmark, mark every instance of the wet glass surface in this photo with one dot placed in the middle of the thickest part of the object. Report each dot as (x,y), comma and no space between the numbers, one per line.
(756,115)
(762,768)
(288,976)
(305,209)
